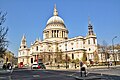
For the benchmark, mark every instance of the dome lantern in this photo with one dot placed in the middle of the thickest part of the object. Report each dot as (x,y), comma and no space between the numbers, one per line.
(55,13)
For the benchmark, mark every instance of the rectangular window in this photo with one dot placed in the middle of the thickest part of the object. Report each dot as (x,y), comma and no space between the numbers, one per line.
(88,41)
(47,34)
(49,57)
(72,56)
(62,34)
(66,47)
(31,60)
(83,42)
(36,48)
(94,40)
(23,60)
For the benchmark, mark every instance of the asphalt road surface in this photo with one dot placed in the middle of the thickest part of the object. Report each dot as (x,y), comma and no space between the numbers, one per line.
(38,75)
(24,74)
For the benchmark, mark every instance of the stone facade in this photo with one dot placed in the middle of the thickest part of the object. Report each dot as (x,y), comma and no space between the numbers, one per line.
(56,45)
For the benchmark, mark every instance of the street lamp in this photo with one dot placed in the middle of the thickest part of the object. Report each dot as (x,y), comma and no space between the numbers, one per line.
(113,49)
(66,54)
(66,60)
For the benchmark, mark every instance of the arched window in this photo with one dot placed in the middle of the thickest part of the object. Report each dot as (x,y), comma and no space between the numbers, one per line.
(23,53)
(49,57)
(89,49)
(72,56)
(31,60)
(66,47)
(88,41)
(47,34)
(77,44)
(24,46)
(72,44)
(23,60)
(36,48)
(94,40)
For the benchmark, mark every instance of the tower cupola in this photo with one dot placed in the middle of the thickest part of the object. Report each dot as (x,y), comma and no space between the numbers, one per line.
(90,28)
(23,43)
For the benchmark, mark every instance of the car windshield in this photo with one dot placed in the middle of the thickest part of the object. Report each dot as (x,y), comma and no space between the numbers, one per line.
(35,64)
(40,63)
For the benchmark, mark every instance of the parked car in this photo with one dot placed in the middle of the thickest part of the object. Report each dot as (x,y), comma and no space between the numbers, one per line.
(41,65)
(35,66)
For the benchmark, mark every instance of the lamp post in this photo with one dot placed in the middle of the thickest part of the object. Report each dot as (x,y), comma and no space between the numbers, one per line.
(44,55)
(66,60)
(113,49)
(66,54)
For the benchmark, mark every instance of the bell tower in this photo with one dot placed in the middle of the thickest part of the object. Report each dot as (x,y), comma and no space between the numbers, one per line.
(90,28)
(91,39)
(23,44)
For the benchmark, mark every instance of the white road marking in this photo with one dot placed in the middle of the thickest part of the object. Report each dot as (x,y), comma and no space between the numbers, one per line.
(36,76)
(2,77)
(9,77)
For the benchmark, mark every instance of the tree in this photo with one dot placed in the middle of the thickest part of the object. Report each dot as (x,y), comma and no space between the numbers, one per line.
(104,49)
(77,60)
(96,57)
(3,33)
(117,46)
(84,58)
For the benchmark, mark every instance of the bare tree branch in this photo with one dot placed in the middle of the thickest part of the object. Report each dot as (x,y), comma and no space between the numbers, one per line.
(3,33)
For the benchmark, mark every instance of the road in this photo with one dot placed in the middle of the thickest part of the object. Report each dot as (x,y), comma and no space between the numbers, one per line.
(24,74)
(38,75)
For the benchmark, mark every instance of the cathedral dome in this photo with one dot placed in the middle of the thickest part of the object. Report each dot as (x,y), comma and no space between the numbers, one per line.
(55,29)
(55,19)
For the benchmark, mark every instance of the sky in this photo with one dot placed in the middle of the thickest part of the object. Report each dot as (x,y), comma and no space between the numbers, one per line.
(29,18)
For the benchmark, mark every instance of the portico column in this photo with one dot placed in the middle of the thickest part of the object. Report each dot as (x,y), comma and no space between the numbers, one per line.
(60,33)
(50,34)
(65,34)
(54,33)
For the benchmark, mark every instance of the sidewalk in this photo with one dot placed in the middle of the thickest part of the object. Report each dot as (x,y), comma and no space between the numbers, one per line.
(4,71)
(78,68)
(97,67)
(90,76)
